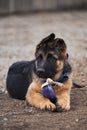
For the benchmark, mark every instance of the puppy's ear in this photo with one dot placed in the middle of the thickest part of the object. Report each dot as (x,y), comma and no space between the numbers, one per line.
(49,38)
(61,47)
(44,42)
(60,44)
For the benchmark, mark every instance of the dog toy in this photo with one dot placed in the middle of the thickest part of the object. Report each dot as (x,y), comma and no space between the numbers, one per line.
(47,89)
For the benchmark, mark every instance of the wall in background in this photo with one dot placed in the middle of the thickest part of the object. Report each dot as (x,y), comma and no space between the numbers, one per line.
(21,6)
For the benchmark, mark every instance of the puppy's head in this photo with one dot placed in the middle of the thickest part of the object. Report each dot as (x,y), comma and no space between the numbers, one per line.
(50,55)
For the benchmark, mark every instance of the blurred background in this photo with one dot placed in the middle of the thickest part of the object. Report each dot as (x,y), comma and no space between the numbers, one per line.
(23,23)
(25,6)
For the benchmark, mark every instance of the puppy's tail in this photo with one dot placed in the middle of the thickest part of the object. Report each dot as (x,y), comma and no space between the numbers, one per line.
(75,85)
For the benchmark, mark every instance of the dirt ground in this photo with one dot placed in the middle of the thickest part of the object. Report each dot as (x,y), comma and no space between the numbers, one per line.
(18,38)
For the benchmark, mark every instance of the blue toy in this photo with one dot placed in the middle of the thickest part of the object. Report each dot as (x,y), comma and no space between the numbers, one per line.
(47,87)
(48,91)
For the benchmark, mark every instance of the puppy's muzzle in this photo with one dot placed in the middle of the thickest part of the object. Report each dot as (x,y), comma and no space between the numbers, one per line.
(40,71)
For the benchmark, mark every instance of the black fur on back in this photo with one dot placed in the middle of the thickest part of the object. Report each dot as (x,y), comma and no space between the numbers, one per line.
(18,78)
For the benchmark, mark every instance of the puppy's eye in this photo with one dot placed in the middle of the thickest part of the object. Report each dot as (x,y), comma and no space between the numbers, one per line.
(51,57)
(39,56)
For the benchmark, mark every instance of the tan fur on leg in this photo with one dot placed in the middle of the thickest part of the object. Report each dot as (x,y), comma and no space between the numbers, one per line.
(35,98)
(63,95)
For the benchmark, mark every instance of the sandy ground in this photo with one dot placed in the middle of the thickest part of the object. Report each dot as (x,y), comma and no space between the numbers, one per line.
(19,36)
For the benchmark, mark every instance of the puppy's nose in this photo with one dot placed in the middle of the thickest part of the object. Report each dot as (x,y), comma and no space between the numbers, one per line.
(40,71)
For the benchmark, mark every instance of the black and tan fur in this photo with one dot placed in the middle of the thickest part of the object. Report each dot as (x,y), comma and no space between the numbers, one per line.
(50,62)
(24,79)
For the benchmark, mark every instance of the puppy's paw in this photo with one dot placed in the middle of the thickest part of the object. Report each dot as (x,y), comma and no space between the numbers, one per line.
(64,105)
(47,105)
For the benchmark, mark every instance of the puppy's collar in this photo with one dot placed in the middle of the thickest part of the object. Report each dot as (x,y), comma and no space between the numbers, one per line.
(63,78)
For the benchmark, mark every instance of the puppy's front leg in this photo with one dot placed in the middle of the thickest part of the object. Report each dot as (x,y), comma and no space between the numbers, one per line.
(35,98)
(63,95)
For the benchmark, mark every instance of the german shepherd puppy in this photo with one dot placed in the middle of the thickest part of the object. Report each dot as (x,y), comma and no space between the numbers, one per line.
(51,62)
(24,79)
